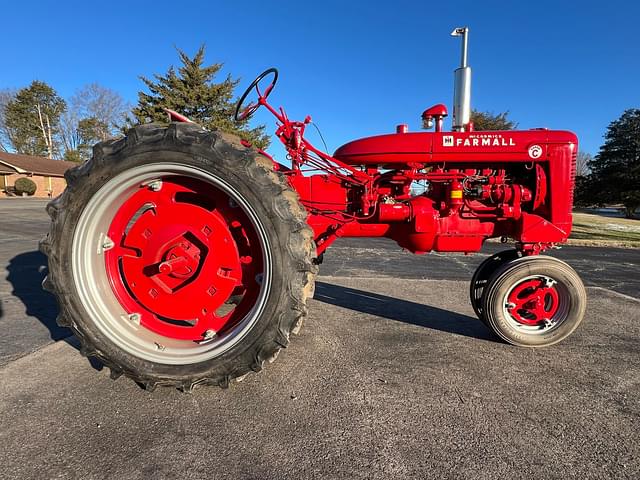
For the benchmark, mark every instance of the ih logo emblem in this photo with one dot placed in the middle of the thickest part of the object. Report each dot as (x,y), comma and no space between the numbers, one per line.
(447,141)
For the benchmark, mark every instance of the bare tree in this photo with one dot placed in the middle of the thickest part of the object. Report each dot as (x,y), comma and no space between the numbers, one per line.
(69,129)
(95,113)
(107,107)
(582,164)
(6,96)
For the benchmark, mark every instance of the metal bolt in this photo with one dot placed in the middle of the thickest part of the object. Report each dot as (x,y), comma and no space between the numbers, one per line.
(159,346)
(510,305)
(209,334)
(135,318)
(549,282)
(154,185)
(107,244)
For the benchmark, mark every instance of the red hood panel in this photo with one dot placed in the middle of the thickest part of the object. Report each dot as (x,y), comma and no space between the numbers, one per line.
(422,147)
(392,148)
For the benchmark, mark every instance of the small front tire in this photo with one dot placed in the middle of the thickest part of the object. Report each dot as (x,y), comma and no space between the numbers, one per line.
(534,301)
(482,275)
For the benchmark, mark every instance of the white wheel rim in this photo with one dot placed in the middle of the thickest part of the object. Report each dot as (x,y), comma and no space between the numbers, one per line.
(97,297)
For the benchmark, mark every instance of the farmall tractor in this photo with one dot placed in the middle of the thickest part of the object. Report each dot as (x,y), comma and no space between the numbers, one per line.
(181,256)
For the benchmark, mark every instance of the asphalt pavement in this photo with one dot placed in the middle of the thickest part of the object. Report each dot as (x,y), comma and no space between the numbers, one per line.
(392,376)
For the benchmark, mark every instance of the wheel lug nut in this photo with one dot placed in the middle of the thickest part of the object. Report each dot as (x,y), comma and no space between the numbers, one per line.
(107,244)
(153,185)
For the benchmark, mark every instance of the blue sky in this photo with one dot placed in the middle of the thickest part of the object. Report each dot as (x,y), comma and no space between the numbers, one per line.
(359,68)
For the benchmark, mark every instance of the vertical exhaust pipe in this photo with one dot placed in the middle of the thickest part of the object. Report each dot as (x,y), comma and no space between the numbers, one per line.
(462,85)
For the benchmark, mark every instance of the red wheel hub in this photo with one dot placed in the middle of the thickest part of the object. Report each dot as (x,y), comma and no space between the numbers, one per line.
(185,258)
(533,301)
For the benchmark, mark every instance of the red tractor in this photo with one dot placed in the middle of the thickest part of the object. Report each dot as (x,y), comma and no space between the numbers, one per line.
(181,256)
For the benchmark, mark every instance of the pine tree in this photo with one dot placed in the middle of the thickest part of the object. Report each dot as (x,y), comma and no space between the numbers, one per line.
(32,120)
(191,91)
(615,170)
(491,121)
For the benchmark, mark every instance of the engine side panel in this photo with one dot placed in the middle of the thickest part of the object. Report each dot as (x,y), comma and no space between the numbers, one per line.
(482,185)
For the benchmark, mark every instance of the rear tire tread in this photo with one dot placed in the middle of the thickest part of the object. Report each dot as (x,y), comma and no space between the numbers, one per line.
(285,205)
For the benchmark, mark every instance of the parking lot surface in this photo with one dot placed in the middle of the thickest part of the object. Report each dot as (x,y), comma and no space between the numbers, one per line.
(392,376)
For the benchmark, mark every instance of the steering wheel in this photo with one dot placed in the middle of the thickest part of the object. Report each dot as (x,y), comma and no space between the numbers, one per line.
(244,112)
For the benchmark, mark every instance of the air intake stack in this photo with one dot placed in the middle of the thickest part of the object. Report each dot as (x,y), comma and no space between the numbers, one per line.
(462,86)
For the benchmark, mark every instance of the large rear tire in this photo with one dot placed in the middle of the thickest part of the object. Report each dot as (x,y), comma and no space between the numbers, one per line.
(179,257)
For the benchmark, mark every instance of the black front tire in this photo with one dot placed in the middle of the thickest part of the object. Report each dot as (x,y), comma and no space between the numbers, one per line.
(482,275)
(569,293)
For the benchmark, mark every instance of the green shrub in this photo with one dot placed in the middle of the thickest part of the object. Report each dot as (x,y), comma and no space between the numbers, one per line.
(25,185)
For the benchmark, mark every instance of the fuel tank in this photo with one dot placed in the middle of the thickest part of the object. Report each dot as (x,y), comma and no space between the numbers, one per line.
(430,147)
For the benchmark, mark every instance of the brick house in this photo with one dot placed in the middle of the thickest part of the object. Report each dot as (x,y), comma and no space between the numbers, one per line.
(47,174)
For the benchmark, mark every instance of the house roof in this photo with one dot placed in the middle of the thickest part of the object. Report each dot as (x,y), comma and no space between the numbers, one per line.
(30,165)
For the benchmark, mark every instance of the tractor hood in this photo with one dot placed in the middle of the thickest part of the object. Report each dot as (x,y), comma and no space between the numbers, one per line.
(391,148)
(424,147)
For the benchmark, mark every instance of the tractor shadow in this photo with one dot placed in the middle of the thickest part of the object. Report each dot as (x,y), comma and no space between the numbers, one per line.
(403,311)
(26,273)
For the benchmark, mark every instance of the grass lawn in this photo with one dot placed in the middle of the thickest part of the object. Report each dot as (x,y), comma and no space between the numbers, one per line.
(596,228)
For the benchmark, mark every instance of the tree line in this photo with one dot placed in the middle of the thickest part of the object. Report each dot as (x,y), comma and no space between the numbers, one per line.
(35,120)
(613,175)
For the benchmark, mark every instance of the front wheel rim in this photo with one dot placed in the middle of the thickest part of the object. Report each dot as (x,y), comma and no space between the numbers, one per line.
(536,304)
(172,263)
